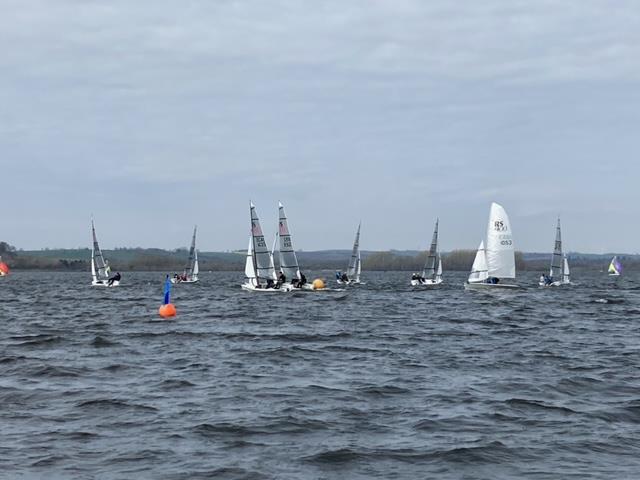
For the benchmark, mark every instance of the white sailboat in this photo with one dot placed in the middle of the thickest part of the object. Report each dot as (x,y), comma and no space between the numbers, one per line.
(352,275)
(259,268)
(615,267)
(100,268)
(191,270)
(288,259)
(559,263)
(497,261)
(432,272)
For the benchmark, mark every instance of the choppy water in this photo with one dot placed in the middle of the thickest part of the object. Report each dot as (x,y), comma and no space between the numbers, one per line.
(380,381)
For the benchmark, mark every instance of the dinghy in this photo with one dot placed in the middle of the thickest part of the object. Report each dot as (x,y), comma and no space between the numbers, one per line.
(259,268)
(497,261)
(100,268)
(287,257)
(191,270)
(352,276)
(615,267)
(559,261)
(432,272)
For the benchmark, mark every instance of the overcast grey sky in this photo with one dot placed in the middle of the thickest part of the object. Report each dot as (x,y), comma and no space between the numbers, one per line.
(155,115)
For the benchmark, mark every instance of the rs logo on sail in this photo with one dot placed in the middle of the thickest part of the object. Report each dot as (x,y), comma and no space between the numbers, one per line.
(499,226)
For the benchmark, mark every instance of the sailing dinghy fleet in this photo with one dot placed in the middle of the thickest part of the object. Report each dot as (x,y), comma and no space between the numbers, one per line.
(494,265)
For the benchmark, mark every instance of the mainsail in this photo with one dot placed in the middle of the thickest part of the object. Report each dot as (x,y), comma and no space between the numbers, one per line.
(429,270)
(355,263)
(191,269)
(479,271)
(556,260)
(500,253)
(261,257)
(615,267)
(99,267)
(288,259)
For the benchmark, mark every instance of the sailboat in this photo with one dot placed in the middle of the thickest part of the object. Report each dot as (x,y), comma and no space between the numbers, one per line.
(559,263)
(496,261)
(191,270)
(432,271)
(287,256)
(615,267)
(352,276)
(100,268)
(259,268)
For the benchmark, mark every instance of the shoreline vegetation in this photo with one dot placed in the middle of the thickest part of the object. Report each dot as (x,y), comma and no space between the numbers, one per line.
(155,259)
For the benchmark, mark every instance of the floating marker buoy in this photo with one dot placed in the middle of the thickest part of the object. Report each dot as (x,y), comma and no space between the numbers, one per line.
(167,309)
(4,268)
(318,284)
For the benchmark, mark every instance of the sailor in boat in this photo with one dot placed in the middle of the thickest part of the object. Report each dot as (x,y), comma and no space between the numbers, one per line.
(546,279)
(115,278)
(344,278)
(282,279)
(338,275)
(493,280)
(299,282)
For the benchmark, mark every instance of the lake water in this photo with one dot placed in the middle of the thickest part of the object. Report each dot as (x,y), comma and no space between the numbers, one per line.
(377,381)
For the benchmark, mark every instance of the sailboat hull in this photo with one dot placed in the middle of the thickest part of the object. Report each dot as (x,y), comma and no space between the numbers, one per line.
(104,283)
(426,283)
(252,288)
(175,281)
(491,286)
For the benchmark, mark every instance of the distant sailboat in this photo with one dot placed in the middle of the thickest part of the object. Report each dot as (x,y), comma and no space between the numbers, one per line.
(352,276)
(497,261)
(191,270)
(432,271)
(259,268)
(559,263)
(615,267)
(100,268)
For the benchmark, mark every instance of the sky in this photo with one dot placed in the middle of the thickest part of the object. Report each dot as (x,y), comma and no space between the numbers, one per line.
(153,116)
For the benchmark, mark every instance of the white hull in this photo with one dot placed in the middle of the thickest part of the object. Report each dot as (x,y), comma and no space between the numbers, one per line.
(552,284)
(426,283)
(350,282)
(490,286)
(174,281)
(614,274)
(104,283)
(252,288)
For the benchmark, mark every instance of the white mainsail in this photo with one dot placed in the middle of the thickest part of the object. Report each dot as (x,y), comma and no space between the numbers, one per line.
(438,277)
(355,263)
(555,271)
(249,266)
(429,271)
(479,271)
(288,259)
(500,252)
(261,256)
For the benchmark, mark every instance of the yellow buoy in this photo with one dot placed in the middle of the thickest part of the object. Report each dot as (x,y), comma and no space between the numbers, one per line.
(318,284)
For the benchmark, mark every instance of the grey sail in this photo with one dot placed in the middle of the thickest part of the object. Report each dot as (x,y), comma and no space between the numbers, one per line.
(101,268)
(556,259)
(288,259)
(353,269)
(430,265)
(261,255)
(189,268)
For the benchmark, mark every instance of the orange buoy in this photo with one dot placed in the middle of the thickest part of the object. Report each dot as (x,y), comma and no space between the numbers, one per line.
(318,284)
(4,268)
(167,310)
